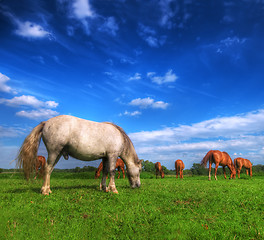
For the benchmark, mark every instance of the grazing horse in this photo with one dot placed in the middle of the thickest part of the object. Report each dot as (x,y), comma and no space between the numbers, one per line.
(159,170)
(40,164)
(219,158)
(84,140)
(119,165)
(242,162)
(179,166)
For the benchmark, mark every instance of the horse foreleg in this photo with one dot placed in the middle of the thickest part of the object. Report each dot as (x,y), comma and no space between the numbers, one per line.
(210,167)
(247,171)
(112,164)
(123,171)
(225,172)
(118,173)
(36,172)
(238,171)
(105,173)
(177,172)
(42,171)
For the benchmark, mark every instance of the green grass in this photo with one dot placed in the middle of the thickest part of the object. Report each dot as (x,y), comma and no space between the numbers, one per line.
(192,208)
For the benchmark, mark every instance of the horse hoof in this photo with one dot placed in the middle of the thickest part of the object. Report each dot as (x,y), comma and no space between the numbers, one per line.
(45,191)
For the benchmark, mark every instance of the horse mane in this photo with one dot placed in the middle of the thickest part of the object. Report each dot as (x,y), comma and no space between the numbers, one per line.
(128,145)
(232,164)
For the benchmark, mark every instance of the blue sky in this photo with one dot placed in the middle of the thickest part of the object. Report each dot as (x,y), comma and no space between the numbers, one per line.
(181,77)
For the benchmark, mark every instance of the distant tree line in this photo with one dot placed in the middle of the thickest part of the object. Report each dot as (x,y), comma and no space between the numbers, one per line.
(148,166)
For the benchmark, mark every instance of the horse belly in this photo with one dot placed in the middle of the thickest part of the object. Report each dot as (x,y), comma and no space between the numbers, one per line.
(89,147)
(86,154)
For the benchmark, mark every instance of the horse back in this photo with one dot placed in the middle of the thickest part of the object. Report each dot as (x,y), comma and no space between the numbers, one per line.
(82,139)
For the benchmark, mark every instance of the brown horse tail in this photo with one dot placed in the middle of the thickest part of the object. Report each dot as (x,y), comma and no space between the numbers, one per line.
(207,158)
(235,162)
(27,156)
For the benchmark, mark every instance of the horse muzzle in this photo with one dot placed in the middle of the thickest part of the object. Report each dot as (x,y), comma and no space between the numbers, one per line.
(136,185)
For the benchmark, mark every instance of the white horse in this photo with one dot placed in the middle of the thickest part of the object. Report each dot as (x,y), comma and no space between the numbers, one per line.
(84,140)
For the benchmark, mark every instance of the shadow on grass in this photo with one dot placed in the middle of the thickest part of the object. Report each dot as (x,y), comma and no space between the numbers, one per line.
(55,188)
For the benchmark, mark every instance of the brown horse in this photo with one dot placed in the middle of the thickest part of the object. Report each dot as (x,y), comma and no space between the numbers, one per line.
(159,170)
(40,164)
(179,166)
(242,162)
(219,158)
(119,165)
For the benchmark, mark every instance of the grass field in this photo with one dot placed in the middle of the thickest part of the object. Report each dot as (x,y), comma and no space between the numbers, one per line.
(192,208)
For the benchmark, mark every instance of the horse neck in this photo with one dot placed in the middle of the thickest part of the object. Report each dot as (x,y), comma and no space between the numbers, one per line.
(130,158)
(232,165)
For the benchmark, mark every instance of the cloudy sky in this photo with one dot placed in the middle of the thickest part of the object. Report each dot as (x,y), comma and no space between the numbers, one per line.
(181,77)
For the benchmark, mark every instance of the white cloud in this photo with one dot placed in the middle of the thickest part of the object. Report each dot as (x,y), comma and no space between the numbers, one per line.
(169,77)
(11,131)
(82,9)
(110,26)
(137,76)
(30,29)
(167,13)
(38,114)
(152,41)
(225,46)
(132,114)
(230,41)
(150,36)
(27,29)
(3,86)
(26,100)
(224,127)
(238,135)
(170,17)
(148,103)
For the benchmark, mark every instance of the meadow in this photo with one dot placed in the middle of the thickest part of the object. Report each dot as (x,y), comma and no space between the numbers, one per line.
(192,208)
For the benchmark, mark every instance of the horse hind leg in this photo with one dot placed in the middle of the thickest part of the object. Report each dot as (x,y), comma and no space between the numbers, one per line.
(216,166)
(53,158)
(210,168)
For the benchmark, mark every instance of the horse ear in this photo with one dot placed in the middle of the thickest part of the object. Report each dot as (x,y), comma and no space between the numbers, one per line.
(140,161)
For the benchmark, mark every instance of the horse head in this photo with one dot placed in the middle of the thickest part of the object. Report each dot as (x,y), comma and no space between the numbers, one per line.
(97,174)
(233,173)
(134,174)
